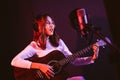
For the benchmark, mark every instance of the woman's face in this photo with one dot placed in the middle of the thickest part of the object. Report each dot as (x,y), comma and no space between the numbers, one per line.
(49,26)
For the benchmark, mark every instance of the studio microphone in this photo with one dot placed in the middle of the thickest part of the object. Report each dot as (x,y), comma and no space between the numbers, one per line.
(82,21)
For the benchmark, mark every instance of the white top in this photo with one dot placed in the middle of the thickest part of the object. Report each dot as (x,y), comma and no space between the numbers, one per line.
(32,48)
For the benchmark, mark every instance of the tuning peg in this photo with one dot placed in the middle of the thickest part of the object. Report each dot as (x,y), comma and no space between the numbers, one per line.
(103,46)
(98,40)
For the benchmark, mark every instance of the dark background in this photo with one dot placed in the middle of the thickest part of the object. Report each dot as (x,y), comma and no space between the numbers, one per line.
(16,33)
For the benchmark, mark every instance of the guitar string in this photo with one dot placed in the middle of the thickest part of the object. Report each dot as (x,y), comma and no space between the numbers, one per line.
(66,60)
(40,75)
(77,54)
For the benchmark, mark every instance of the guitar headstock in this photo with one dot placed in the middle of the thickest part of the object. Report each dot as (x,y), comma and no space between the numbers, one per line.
(102,42)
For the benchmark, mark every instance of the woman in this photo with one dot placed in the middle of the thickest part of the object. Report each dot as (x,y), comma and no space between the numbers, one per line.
(44,42)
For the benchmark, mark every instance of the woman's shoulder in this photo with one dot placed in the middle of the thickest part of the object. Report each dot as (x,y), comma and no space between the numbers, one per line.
(33,44)
(61,41)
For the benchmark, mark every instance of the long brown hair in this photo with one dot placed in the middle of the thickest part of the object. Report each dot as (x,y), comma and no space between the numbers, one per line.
(40,36)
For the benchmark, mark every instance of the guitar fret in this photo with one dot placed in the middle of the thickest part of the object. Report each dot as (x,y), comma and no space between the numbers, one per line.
(72,57)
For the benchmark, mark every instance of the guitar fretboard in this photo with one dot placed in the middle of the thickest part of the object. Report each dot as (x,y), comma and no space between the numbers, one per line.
(75,55)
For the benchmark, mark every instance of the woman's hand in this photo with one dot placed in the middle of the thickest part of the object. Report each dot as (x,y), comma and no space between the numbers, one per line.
(46,69)
(95,48)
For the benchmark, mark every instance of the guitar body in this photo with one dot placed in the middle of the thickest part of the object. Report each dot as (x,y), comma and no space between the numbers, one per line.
(55,59)
(33,74)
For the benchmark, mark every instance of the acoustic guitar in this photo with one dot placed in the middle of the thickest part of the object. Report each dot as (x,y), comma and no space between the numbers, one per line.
(55,59)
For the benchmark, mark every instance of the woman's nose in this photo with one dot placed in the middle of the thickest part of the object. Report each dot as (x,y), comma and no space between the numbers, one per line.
(52,25)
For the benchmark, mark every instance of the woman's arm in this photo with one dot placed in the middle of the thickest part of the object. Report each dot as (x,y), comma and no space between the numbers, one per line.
(87,60)
(19,59)
(21,62)
(83,60)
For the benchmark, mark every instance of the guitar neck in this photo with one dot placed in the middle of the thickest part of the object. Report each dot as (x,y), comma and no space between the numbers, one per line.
(75,55)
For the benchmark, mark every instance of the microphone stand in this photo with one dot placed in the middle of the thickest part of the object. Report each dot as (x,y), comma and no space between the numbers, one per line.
(115,58)
(101,36)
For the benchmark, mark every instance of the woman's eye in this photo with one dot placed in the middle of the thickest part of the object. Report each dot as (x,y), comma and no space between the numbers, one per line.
(53,22)
(49,22)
